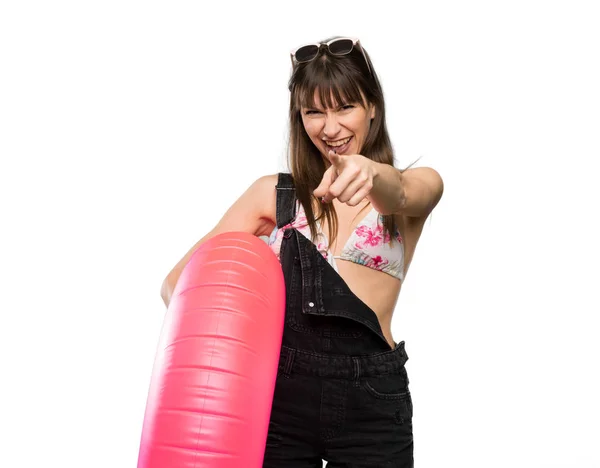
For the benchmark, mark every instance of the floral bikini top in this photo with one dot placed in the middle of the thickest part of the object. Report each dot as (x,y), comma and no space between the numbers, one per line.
(366,245)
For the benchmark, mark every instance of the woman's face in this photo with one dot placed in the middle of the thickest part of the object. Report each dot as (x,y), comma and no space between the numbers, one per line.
(343,129)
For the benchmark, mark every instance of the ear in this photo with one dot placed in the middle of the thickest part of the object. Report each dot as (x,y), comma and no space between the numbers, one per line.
(372,111)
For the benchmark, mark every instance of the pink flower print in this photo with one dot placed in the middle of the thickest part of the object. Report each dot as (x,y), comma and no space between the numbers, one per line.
(362,231)
(378,262)
(387,236)
(322,247)
(301,221)
(372,238)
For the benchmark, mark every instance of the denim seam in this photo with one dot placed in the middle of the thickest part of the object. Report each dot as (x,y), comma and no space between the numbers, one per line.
(385,396)
(340,416)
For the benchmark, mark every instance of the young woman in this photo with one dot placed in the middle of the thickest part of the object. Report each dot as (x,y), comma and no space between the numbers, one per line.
(344,224)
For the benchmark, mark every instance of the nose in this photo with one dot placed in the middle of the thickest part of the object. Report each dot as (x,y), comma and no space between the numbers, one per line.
(331,126)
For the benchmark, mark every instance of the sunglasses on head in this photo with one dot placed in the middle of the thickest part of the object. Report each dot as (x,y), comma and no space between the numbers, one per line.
(339,46)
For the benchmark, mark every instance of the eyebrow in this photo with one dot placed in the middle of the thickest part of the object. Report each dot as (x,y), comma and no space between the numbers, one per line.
(340,105)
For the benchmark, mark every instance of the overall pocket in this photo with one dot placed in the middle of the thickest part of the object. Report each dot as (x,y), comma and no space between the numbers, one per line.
(388,387)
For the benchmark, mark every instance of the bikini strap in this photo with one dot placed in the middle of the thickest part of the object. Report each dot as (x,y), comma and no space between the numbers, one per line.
(286,199)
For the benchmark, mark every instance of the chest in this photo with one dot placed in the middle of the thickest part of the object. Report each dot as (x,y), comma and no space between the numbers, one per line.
(353,221)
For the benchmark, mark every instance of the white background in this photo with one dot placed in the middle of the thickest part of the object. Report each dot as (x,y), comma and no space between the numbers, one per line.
(128,128)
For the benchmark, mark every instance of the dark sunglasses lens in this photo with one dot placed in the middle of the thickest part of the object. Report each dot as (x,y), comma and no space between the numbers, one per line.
(306,53)
(341,47)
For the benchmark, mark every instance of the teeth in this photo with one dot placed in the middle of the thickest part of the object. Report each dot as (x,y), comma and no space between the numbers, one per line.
(338,143)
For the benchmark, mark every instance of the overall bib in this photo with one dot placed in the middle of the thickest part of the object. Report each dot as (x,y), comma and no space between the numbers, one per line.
(341,393)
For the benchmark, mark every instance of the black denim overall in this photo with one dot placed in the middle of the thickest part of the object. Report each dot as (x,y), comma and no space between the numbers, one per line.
(341,393)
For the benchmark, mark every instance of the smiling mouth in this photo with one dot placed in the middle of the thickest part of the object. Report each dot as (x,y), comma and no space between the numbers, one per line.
(339,146)
(338,143)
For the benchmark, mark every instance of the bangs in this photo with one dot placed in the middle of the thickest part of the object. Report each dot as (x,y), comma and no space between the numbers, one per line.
(335,88)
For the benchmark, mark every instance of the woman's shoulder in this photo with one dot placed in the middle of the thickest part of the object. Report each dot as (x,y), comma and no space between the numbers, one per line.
(270,181)
(267,181)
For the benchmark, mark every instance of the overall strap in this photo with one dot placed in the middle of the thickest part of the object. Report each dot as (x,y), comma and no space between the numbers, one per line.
(286,199)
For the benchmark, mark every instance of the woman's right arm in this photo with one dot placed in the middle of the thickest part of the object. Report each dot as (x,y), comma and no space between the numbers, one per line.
(254,212)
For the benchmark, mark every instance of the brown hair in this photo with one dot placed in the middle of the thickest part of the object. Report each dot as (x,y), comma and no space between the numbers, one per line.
(348,79)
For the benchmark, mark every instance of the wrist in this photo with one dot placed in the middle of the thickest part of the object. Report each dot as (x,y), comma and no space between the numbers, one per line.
(375,170)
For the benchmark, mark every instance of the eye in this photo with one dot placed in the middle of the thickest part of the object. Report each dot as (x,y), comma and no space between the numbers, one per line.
(347,106)
(311,112)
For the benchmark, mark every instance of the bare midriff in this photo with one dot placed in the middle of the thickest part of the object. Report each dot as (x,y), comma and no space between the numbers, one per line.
(377,289)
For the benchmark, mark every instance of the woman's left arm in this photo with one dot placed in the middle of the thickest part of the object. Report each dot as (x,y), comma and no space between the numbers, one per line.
(414,192)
